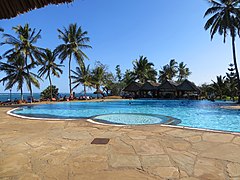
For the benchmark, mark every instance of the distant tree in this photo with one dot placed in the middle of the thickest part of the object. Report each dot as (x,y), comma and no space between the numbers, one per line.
(128,77)
(74,40)
(49,66)
(17,73)
(225,19)
(231,81)
(109,83)
(49,92)
(206,90)
(169,71)
(163,74)
(173,69)
(219,86)
(98,77)
(118,73)
(183,71)
(23,44)
(82,75)
(143,70)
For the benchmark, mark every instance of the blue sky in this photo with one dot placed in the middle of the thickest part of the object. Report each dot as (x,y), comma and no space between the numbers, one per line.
(122,30)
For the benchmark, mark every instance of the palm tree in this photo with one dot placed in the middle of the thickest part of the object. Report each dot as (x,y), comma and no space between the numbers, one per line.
(183,71)
(143,70)
(172,71)
(23,44)
(225,20)
(163,74)
(49,66)
(128,77)
(219,86)
(98,75)
(74,40)
(82,75)
(169,71)
(1,30)
(18,73)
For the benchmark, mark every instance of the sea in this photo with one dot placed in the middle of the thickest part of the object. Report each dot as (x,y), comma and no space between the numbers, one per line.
(15,96)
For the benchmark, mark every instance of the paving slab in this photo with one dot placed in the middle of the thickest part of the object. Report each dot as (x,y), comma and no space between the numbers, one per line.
(35,149)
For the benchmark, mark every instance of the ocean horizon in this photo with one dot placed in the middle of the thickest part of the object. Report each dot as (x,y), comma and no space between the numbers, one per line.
(14,96)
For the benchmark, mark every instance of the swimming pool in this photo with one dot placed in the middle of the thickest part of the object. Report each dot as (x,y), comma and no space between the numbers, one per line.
(197,114)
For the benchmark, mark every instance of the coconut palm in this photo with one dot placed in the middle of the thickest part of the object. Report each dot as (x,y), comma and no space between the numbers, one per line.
(17,73)
(23,44)
(97,79)
(82,75)
(225,19)
(74,40)
(49,66)
(163,74)
(169,71)
(128,77)
(183,71)
(1,30)
(143,70)
(219,86)
(172,69)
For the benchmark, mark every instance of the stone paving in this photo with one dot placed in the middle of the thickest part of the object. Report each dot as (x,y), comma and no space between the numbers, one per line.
(33,149)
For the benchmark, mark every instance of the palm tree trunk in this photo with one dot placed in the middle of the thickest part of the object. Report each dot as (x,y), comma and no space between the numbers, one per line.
(21,94)
(50,81)
(236,67)
(85,91)
(69,75)
(97,91)
(28,81)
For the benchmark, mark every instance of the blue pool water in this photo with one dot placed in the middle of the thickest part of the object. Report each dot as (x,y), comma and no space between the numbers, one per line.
(199,114)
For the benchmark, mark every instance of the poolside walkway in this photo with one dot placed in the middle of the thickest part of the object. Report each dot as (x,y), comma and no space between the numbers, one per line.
(32,149)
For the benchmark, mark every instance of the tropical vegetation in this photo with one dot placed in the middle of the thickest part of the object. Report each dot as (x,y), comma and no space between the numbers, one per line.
(50,67)
(18,74)
(24,58)
(23,45)
(225,19)
(174,70)
(49,93)
(74,40)
(224,87)
(82,75)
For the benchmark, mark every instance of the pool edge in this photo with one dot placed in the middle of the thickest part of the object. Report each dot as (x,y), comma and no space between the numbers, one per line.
(122,125)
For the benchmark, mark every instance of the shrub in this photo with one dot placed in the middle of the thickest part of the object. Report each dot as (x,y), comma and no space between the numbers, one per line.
(46,94)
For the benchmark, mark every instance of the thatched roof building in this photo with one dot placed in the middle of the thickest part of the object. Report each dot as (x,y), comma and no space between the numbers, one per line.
(149,86)
(188,86)
(167,89)
(168,86)
(12,8)
(133,87)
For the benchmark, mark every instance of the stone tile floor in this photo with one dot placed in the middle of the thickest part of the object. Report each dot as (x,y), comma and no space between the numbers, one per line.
(33,149)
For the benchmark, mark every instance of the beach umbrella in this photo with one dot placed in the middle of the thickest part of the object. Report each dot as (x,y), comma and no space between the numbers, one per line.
(12,8)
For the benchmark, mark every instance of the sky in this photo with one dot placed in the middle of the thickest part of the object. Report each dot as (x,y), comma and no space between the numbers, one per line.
(122,30)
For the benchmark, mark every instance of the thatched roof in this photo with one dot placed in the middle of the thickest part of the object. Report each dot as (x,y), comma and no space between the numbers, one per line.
(149,86)
(168,86)
(186,85)
(12,8)
(133,87)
